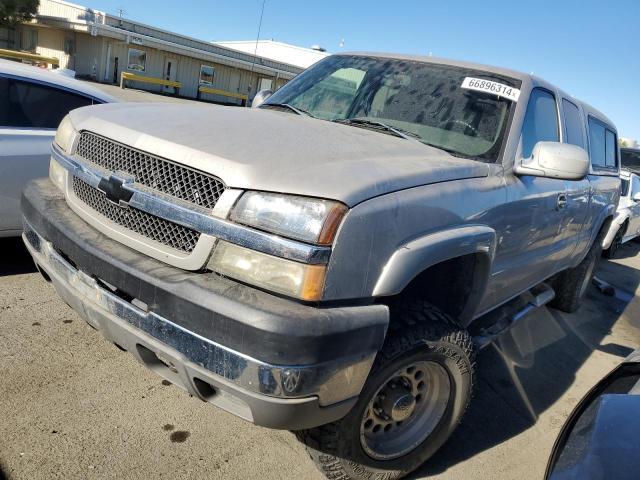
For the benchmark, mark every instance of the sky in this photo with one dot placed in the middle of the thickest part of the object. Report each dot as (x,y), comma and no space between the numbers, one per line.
(589,48)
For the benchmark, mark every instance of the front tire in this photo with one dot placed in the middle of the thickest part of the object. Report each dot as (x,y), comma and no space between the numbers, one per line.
(417,392)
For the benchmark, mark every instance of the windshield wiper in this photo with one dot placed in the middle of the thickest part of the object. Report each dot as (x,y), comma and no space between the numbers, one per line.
(399,132)
(396,131)
(288,106)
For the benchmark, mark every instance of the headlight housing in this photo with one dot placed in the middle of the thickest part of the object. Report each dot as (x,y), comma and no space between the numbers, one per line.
(280,275)
(310,220)
(65,134)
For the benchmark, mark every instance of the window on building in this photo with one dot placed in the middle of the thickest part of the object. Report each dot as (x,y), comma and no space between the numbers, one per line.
(21,104)
(137,60)
(540,122)
(29,39)
(207,73)
(602,145)
(69,45)
(7,37)
(573,131)
(265,84)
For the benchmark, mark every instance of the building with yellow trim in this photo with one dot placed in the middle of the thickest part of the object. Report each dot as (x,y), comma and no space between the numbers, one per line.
(100,46)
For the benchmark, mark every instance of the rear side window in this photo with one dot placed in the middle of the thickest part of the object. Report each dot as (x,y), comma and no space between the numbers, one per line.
(25,104)
(610,152)
(602,145)
(540,122)
(572,124)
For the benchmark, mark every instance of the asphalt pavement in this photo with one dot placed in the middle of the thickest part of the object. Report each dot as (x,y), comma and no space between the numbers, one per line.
(74,406)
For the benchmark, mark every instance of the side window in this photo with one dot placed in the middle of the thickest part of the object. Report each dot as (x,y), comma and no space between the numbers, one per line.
(635,185)
(572,124)
(21,104)
(602,145)
(611,149)
(540,122)
(631,158)
(597,143)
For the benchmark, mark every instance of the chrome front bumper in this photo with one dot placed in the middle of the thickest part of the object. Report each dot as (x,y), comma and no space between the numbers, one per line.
(276,396)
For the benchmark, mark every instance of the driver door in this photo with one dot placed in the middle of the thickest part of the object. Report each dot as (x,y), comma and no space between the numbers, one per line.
(531,224)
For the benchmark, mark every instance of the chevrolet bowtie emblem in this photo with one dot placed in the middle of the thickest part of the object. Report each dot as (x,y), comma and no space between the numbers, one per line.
(115,189)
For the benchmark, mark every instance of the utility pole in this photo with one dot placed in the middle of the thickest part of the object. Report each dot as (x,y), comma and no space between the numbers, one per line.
(255,50)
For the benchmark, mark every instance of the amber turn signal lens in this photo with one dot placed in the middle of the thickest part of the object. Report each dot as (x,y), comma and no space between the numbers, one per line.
(331,224)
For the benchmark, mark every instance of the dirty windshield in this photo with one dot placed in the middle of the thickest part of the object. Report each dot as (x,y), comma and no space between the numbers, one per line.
(456,109)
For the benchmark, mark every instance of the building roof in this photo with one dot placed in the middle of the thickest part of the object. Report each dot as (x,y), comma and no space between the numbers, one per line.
(277,51)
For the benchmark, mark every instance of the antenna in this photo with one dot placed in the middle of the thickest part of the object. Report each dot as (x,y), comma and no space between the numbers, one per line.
(255,50)
(121,11)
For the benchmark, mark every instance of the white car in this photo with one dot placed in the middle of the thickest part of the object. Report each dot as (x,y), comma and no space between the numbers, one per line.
(33,101)
(626,224)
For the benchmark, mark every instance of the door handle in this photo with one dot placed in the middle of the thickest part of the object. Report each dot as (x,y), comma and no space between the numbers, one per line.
(562,202)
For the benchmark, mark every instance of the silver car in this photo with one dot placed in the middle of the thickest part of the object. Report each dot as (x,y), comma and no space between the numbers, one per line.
(33,101)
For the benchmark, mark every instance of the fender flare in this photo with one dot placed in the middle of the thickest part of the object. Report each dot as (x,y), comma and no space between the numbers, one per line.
(417,255)
(606,213)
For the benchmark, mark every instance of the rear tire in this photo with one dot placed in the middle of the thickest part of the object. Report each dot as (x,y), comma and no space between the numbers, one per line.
(616,242)
(417,392)
(571,284)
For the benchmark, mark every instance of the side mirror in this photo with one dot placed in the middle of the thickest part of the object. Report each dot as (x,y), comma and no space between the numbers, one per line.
(600,437)
(555,160)
(261,97)
(636,197)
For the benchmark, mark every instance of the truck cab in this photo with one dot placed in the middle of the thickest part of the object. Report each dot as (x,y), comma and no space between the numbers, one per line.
(317,263)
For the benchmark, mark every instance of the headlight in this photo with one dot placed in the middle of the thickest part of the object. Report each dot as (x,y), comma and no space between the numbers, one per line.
(57,174)
(290,278)
(310,220)
(64,134)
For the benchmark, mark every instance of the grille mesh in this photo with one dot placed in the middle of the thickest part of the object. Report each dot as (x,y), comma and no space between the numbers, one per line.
(162,231)
(151,171)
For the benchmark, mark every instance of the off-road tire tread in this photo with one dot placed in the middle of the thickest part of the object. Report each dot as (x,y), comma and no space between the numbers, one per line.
(609,253)
(414,321)
(567,283)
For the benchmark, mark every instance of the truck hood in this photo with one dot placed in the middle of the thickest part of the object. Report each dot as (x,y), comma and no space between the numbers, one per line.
(276,151)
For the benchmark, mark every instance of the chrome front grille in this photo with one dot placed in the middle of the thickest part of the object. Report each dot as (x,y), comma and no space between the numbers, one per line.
(151,171)
(167,233)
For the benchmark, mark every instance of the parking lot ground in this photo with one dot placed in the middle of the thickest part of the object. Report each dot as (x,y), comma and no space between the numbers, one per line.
(72,405)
